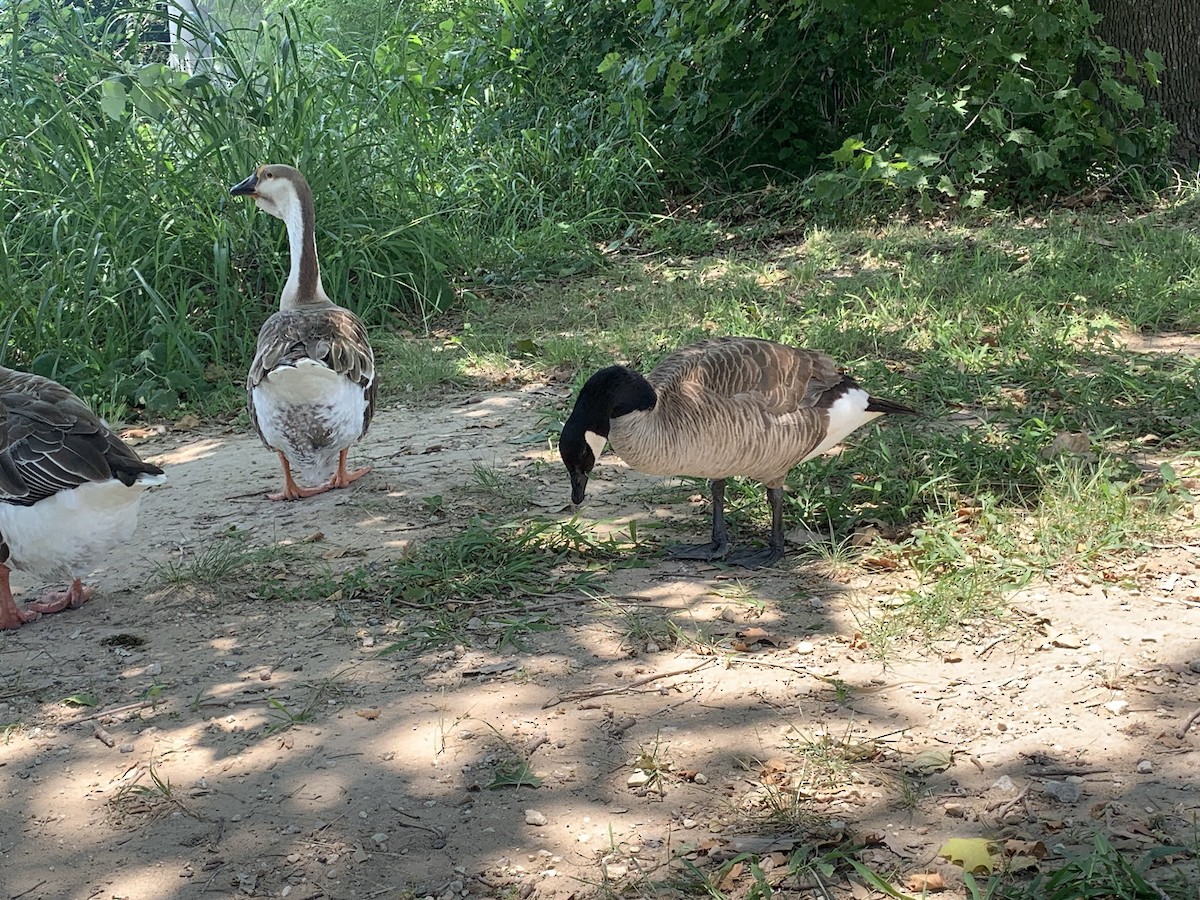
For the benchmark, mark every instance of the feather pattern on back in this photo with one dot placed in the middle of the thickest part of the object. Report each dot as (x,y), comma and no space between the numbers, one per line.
(50,442)
(733,406)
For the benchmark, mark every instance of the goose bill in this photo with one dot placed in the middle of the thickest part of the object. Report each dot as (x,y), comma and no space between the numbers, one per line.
(246,188)
(579,482)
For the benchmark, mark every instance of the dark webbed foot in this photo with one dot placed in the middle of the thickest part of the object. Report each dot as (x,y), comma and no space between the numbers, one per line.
(708,552)
(755,559)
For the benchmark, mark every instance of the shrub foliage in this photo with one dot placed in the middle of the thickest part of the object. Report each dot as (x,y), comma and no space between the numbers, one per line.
(501,138)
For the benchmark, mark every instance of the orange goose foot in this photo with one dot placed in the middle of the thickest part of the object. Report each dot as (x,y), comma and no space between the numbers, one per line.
(291,490)
(56,601)
(341,479)
(11,615)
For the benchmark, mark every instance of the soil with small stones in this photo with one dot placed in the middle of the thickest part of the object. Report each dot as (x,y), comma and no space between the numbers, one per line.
(769,727)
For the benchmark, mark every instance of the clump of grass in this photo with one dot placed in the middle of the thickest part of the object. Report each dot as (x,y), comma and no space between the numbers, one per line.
(229,556)
(1104,872)
(509,576)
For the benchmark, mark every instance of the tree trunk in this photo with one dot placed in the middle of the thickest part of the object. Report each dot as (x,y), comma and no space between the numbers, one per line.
(1172,27)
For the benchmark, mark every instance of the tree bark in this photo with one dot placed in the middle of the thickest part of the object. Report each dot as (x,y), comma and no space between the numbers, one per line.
(1172,27)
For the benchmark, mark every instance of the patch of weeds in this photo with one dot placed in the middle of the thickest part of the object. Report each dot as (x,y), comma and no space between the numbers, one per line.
(412,367)
(961,599)
(226,556)
(147,801)
(503,574)
(1105,873)
(1085,515)
(285,718)
(740,595)
(645,631)
(827,760)
(502,486)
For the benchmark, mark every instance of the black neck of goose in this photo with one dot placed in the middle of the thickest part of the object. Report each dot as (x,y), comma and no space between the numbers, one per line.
(614,392)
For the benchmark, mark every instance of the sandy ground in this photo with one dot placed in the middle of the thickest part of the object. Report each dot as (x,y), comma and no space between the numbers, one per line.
(777,730)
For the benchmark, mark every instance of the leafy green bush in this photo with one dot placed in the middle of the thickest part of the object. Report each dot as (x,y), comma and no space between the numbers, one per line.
(963,98)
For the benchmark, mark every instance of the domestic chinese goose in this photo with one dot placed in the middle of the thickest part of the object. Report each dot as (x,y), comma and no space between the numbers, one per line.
(311,388)
(69,491)
(715,409)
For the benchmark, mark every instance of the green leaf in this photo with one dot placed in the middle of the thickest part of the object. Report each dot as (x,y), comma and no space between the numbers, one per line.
(514,773)
(975,199)
(80,699)
(610,60)
(929,761)
(112,99)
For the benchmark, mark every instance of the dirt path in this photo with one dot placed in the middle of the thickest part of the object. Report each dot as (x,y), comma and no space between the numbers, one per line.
(768,728)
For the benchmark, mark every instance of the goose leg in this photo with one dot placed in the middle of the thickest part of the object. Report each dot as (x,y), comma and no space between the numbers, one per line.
(56,601)
(11,615)
(720,537)
(773,552)
(291,490)
(342,478)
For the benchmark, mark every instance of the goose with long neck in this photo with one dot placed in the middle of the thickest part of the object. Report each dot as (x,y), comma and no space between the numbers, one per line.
(716,409)
(311,388)
(69,491)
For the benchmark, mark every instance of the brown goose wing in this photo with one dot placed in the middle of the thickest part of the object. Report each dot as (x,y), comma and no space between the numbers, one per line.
(778,378)
(332,335)
(53,442)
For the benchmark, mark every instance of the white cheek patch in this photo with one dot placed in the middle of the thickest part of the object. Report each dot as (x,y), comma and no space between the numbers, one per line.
(596,442)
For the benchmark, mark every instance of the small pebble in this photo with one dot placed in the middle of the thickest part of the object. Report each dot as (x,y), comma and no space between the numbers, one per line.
(1145,767)
(700,778)
(535,818)
(1063,791)
(126,748)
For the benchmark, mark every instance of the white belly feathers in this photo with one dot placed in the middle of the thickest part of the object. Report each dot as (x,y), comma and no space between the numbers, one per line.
(311,414)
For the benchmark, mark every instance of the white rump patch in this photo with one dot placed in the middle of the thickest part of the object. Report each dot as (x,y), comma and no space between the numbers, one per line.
(310,413)
(596,442)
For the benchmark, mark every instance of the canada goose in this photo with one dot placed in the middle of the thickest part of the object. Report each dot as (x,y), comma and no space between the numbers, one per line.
(715,409)
(69,491)
(311,388)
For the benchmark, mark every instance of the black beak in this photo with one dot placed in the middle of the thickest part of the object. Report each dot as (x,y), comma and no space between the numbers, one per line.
(245,188)
(578,486)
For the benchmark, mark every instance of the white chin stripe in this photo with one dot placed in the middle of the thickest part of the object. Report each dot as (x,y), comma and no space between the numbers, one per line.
(596,442)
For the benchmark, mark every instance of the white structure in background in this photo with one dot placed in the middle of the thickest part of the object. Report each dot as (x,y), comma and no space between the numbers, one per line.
(191,22)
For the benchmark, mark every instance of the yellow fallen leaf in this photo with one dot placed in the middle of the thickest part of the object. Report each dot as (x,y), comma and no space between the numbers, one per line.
(970,853)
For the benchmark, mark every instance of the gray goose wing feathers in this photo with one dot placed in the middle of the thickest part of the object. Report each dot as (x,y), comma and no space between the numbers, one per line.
(330,335)
(50,442)
(739,406)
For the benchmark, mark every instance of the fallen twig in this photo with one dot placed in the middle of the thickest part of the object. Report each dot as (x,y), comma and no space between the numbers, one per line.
(27,890)
(103,736)
(117,710)
(623,688)
(1183,729)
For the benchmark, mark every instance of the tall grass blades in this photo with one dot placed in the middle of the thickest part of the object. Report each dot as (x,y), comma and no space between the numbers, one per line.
(124,270)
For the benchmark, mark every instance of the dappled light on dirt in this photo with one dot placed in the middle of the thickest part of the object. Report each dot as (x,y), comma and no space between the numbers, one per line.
(260,700)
